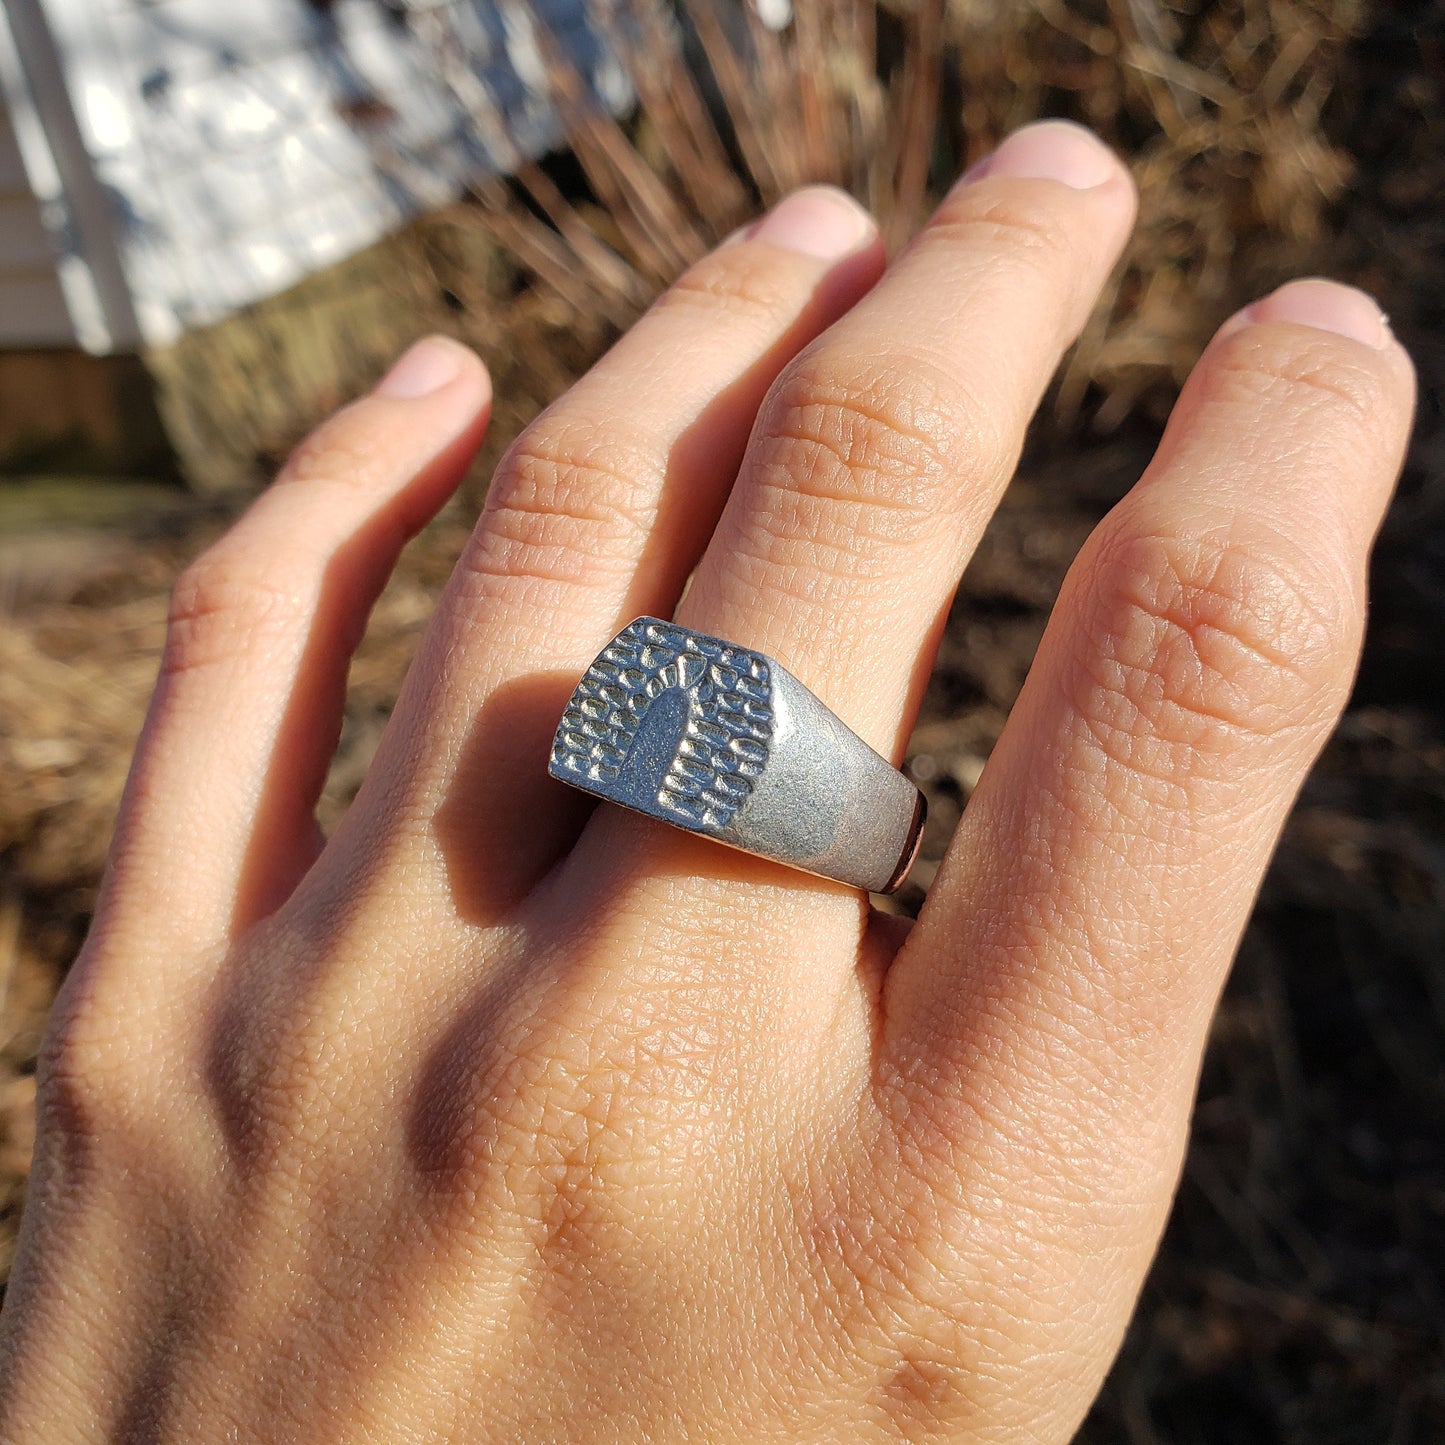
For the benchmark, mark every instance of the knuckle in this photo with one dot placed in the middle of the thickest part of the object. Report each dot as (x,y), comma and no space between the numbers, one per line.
(223,602)
(270,1087)
(1193,646)
(1023,223)
(737,282)
(275,1046)
(576,1163)
(92,1085)
(853,451)
(910,1276)
(286,1094)
(1325,381)
(350,449)
(569,493)
(571,1143)
(611,1109)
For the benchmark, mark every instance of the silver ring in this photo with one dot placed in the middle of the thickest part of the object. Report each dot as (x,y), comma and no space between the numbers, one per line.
(719,740)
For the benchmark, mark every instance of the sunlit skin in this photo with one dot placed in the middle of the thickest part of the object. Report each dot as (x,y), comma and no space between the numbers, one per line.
(503,1117)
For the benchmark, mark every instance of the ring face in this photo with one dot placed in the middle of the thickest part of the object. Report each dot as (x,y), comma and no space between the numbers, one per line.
(671,722)
(719,740)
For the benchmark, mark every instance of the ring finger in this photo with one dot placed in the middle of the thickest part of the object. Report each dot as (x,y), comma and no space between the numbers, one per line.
(880,452)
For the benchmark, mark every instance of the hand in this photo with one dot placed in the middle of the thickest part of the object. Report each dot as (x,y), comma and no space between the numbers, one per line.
(496,1118)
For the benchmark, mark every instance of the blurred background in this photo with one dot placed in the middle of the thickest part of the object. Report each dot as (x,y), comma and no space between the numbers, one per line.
(219,222)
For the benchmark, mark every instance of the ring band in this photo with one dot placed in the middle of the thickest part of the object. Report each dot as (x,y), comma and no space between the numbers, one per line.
(719,740)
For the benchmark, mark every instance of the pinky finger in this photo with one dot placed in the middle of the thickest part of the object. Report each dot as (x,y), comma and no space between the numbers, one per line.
(217,823)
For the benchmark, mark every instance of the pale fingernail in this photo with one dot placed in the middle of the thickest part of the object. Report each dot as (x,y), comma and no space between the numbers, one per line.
(1049,150)
(1324,305)
(422,369)
(820,221)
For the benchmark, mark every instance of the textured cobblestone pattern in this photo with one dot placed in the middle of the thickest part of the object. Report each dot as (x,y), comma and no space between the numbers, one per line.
(722,743)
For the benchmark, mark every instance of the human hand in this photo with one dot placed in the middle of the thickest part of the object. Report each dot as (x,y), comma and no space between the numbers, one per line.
(499,1118)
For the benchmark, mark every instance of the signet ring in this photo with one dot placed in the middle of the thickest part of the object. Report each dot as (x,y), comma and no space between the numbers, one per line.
(720,740)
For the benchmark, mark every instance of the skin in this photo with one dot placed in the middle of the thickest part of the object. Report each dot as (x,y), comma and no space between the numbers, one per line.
(500,1117)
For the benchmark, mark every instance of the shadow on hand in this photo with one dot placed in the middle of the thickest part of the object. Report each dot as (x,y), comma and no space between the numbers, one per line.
(502,774)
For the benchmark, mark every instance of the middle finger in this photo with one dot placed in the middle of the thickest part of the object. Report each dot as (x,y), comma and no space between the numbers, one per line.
(882,449)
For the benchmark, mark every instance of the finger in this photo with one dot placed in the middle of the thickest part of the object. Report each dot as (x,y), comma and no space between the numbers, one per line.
(217,823)
(1049,1011)
(598,513)
(881,451)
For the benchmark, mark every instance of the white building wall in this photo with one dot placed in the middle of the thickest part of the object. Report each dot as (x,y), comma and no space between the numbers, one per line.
(238,145)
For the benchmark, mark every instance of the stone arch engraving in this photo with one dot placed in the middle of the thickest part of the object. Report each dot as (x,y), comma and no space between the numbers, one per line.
(698,761)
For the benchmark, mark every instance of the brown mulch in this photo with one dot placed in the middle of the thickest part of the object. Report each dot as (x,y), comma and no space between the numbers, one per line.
(1300,1291)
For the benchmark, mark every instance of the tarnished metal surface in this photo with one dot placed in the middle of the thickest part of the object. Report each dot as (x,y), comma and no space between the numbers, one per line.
(720,740)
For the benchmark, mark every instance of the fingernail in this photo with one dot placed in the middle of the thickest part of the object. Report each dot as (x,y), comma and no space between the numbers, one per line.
(422,369)
(1325,305)
(820,221)
(1049,150)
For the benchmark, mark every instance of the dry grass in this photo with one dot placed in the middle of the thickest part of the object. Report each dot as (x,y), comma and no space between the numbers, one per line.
(1300,1294)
